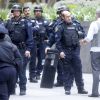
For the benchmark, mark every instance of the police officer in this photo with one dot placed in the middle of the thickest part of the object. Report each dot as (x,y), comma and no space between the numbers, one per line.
(94,36)
(26,12)
(51,41)
(20,32)
(35,27)
(10,60)
(54,24)
(40,37)
(67,42)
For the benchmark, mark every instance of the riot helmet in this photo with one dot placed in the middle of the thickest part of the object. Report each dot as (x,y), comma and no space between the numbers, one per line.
(16,7)
(62,8)
(38,8)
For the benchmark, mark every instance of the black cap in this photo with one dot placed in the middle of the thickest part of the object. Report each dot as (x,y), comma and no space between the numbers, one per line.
(16,7)
(38,8)
(62,8)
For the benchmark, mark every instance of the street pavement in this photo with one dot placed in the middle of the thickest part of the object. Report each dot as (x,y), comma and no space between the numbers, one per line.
(34,92)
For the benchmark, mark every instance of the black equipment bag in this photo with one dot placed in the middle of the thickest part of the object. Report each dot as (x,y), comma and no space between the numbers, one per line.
(49,69)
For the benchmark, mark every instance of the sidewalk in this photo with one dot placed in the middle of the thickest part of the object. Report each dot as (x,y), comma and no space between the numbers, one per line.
(34,92)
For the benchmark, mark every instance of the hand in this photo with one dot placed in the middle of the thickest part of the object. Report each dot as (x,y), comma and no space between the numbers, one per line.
(62,55)
(27,54)
(47,50)
(83,41)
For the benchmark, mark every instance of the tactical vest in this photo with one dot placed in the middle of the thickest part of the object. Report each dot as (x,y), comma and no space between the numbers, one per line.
(96,38)
(41,35)
(17,30)
(70,35)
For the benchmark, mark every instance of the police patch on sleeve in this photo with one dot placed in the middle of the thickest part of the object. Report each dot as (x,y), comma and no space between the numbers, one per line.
(56,29)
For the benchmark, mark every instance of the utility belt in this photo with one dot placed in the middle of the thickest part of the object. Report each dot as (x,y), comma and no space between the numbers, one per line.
(38,40)
(21,45)
(71,47)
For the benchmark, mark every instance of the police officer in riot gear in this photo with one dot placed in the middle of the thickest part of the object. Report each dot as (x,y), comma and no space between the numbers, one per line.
(32,64)
(40,37)
(20,32)
(51,41)
(10,60)
(67,42)
(53,25)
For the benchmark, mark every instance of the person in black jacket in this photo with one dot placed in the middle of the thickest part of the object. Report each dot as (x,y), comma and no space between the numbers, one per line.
(10,63)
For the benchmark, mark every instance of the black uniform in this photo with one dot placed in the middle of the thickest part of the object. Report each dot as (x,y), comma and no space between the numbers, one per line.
(10,61)
(20,32)
(67,38)
(50,43)
(32,64)
(40,37)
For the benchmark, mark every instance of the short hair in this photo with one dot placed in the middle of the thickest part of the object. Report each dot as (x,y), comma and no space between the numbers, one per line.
(26,7)
(66,13)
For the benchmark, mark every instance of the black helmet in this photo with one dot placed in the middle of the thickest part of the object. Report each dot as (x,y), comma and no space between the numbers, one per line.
(16,7)
(3,30)
(38,8)
(62,8)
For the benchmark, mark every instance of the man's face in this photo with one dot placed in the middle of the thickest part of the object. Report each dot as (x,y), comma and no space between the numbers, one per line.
(68,19)
(38,13)
(26,12)
(67,16)
(16,13)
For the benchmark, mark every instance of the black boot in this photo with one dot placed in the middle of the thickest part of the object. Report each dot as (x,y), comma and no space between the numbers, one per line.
(67,92)
(94,95)
(81,90)
(38,77)
(22,92)
(58,84)
(33,80)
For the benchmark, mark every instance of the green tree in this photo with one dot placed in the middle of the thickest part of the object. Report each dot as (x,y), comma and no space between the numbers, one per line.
(4,3)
